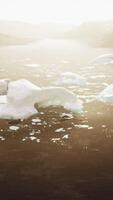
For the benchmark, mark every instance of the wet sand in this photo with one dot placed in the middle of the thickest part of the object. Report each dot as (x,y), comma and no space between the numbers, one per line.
(76,163)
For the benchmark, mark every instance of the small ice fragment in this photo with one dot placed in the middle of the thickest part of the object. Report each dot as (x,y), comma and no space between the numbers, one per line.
(69,128)
(39,124)
(41,113)
(45,123)
(104,126)
(65,137)
(55,140)
(33,138)
(26,125)
(39,131)
(2,138)
(81,126)
(33,123)
(90,128)
(14,128)
(32,133)
(24,139)
(59,130)
(36,120)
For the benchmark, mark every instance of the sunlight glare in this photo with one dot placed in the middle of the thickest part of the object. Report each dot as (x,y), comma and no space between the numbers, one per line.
(66,11)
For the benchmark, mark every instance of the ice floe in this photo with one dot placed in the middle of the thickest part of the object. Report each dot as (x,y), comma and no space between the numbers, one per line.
(21,98)
(4,86)
(59,96)
(3,99)
(106,95)
(22,95)
(70,79)
(105,59)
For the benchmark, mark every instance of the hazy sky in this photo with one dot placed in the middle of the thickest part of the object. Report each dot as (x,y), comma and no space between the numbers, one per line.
(68,11)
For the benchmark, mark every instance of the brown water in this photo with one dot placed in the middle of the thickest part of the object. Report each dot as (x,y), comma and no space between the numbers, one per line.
(76,163)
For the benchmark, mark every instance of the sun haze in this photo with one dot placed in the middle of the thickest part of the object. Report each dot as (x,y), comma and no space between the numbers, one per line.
(66,11)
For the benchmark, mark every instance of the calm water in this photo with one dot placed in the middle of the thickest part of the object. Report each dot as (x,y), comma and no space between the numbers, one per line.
(50,156)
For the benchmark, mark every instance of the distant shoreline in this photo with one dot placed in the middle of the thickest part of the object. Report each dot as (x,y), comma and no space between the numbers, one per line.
(7,40)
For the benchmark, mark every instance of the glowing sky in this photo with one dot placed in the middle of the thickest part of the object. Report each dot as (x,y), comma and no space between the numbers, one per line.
(67,11)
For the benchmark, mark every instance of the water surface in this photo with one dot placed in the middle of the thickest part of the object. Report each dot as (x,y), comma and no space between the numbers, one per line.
(56,154)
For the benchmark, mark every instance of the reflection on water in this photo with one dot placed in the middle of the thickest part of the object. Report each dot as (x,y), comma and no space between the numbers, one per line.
(56,154)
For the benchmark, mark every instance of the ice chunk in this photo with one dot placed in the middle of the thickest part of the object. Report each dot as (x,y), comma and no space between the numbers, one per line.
(4,86)
(106,95)
(59,130)
(59,96)
(3,99)
(19,103)
(65,136)
(21,98)
(36,120)
(55,140)
(70,79)
(105,59)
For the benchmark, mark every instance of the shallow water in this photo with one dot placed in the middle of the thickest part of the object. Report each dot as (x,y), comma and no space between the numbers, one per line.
(56,154)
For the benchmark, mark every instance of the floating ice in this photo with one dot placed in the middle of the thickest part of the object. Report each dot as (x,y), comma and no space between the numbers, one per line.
(82,126)
(55,140)
(14,128)
(32,133)
(33,138)
(36,120)
(59,130)
(3,86)
(33,65)
(105,59)
(19,103)
(21,98)
(106,95)
(65,137)
(59,96)
(2,138)
(70,79)
(3,99)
